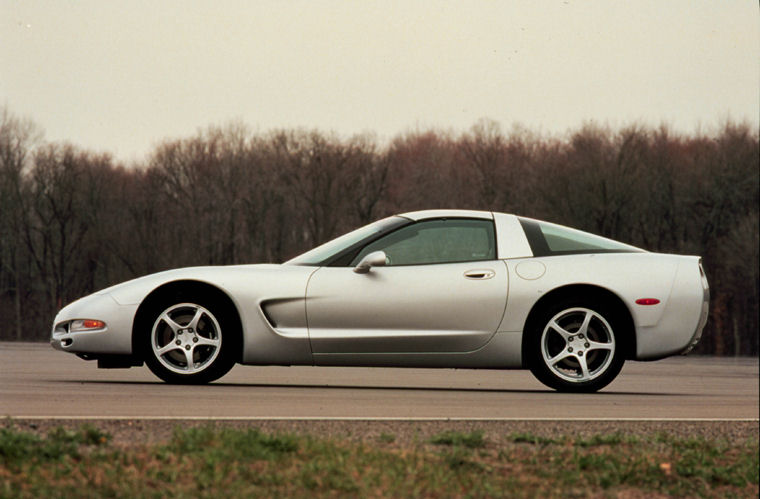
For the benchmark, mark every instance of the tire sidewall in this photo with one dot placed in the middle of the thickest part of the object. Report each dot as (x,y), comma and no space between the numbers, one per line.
(536,361)
(224,360)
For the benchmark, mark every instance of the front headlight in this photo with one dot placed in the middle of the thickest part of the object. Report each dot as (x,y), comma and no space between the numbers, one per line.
(79,325)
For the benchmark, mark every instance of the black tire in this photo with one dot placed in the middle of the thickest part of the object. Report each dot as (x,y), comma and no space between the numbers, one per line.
(189,340)
(576,345)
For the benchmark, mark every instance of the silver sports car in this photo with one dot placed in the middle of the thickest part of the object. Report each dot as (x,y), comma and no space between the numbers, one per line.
(437,288)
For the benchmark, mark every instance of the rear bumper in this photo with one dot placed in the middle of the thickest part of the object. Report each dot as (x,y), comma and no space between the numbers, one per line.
(703,314)
(683,319)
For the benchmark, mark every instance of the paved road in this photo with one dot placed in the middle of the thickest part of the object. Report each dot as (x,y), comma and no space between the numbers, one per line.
(36,381)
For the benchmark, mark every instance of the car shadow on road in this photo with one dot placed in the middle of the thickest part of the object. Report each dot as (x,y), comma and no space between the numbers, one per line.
(301,386)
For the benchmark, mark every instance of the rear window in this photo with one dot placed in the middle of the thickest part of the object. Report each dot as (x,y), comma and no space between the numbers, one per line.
(550,239)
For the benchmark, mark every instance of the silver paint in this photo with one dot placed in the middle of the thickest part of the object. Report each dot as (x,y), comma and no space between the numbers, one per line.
(446,315)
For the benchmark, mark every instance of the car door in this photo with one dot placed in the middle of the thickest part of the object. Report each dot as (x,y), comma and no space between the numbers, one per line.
(441,290)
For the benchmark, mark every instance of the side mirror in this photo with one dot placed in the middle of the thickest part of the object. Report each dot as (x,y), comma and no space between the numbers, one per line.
(374,259)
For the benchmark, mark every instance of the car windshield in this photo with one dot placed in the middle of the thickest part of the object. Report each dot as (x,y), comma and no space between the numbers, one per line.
(325,252)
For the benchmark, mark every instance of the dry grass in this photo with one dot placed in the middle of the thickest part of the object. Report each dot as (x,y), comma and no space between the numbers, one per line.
(209,462)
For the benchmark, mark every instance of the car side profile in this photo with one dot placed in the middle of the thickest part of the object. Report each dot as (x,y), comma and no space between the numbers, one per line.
(434,288)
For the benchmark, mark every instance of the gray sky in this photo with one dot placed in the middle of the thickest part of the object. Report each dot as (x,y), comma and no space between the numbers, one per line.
(122,76)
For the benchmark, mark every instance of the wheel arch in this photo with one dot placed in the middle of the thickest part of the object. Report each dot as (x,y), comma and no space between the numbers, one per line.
(184,290)
(586,291)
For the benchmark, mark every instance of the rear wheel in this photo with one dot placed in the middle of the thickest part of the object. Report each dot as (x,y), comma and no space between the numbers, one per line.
(189,342)
(576,346)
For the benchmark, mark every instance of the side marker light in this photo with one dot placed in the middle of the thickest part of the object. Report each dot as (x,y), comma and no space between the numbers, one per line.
(647,301)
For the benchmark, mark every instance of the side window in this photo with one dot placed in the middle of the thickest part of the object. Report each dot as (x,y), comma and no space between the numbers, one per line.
(436,241)
(550,239)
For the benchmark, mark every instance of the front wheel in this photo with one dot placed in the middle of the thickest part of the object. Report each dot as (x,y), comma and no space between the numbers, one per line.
(576,347)
(188,344)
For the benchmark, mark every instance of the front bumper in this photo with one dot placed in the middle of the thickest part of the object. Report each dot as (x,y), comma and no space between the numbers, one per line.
(114,338)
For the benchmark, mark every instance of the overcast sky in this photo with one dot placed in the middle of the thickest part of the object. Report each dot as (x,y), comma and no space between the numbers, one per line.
(121,76)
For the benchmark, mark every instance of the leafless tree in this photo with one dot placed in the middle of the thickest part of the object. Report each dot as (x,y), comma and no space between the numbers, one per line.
(18,137)
(72,221)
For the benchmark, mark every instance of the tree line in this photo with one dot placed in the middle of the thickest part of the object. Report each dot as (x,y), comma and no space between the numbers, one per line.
(73,221)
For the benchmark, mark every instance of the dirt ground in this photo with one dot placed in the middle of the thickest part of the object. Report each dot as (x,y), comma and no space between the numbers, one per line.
(147,431)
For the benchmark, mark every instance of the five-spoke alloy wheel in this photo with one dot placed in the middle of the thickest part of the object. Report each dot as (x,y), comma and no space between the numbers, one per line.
(187,344)
(577,347)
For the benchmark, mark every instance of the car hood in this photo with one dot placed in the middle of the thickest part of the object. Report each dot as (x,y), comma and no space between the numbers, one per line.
(134,291)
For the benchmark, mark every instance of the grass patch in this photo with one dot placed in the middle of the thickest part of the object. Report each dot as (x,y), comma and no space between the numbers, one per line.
(386,438)
(472,440)
(209,462)
(607,439)
(225,444)
(17,448)
(529,438)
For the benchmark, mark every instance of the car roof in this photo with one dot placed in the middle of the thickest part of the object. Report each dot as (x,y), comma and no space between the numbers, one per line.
(423,214)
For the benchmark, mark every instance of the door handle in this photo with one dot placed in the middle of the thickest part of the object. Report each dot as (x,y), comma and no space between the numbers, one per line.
(479,274)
